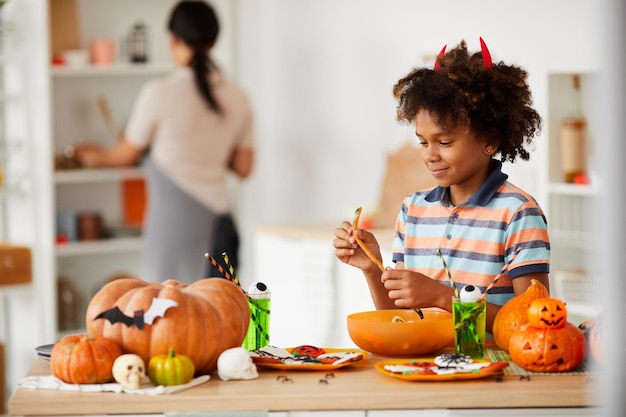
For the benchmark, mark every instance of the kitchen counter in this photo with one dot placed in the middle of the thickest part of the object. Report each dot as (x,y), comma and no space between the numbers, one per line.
(325,232)
(355,387)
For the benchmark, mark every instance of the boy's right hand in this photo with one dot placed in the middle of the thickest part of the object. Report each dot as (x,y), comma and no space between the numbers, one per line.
(348,251)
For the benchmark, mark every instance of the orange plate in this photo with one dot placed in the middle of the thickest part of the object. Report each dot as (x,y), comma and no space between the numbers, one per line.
(494,369)
(310,366)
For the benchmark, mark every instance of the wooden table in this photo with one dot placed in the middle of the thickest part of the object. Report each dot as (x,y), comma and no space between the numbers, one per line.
(356,387)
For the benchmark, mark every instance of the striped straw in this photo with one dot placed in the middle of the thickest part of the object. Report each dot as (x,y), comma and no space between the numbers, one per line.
(230,268)
(232,277)
(502,271)
(252,301)
(228,276)
(218,266)
(445,266)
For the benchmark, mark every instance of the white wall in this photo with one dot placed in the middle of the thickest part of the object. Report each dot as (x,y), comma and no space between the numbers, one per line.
(320,75)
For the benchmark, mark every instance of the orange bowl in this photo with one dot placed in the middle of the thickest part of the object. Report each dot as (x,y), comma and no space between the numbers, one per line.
(376,332)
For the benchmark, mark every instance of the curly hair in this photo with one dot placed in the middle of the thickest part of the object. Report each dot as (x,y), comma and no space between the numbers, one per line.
(495,103)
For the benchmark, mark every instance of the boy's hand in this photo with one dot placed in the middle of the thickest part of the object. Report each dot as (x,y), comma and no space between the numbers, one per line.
(348,251)
(410,289)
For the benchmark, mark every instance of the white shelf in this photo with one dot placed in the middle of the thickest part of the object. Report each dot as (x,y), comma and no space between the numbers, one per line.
(119,69)
(82,176)
(582,190)
(105,246)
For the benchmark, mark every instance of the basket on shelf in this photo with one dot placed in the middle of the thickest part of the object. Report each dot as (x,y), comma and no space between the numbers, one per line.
(580,291)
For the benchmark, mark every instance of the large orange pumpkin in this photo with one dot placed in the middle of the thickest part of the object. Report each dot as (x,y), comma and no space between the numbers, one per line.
(514,313)
(548,343)
(211,315)
(82,359)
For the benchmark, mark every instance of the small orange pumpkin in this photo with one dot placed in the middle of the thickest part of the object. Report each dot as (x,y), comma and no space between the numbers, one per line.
(210,316)
(548,343)
(514,314)
(82,359)
(547,313)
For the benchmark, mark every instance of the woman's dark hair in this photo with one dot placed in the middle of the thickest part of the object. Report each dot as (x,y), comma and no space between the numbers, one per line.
(495,103)
(196,24)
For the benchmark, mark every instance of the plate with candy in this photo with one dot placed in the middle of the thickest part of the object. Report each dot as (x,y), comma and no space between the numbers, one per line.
(306,358)
(446,367)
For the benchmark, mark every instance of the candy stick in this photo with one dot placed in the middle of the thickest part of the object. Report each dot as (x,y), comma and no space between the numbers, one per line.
(369,253)
(445,266)
(502,271)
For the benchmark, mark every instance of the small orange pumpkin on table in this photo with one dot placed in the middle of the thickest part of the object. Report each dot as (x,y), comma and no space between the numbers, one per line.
(200,320)
(548,343)
(82,359)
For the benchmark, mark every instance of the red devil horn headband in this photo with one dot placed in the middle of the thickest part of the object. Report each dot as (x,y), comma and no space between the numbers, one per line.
(486,55)
(483,48)
(437,66)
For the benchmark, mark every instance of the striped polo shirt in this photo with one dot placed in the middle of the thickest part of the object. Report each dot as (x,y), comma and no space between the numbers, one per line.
(477,238)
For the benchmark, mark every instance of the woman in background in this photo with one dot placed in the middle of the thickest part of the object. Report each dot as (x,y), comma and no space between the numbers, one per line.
(198,127)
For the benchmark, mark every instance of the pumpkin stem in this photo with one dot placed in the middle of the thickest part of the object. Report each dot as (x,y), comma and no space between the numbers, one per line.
(171,353)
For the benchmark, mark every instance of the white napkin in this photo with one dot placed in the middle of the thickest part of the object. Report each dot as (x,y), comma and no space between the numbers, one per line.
(52,382)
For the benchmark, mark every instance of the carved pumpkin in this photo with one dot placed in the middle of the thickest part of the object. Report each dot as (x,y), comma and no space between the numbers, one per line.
(548,347)
(547,313)
(200,320)
(82,359)
(514,314)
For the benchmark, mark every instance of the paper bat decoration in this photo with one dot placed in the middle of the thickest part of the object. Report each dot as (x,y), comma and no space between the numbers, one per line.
(157,309)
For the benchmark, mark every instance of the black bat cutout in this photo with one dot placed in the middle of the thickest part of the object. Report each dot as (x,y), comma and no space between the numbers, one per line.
(139,318)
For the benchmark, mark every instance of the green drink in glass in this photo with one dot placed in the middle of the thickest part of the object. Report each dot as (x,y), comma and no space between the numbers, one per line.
(469,318)
(258,335)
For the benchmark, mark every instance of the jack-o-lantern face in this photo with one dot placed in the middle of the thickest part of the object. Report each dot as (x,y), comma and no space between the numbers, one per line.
(548,350)
(547,313)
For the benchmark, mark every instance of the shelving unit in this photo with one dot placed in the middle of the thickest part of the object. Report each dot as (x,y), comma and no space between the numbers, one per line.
(75,117)
(96,175)
(89,264)
(117,69)
(569,206)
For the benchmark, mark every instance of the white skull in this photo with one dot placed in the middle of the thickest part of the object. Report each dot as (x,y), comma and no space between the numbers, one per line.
(236,363)
(129,370)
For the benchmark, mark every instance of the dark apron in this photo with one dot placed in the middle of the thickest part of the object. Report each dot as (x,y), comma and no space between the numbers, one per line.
(179,230)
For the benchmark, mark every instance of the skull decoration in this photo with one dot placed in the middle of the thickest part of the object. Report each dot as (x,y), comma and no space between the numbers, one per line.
(129,370)
(236,363)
